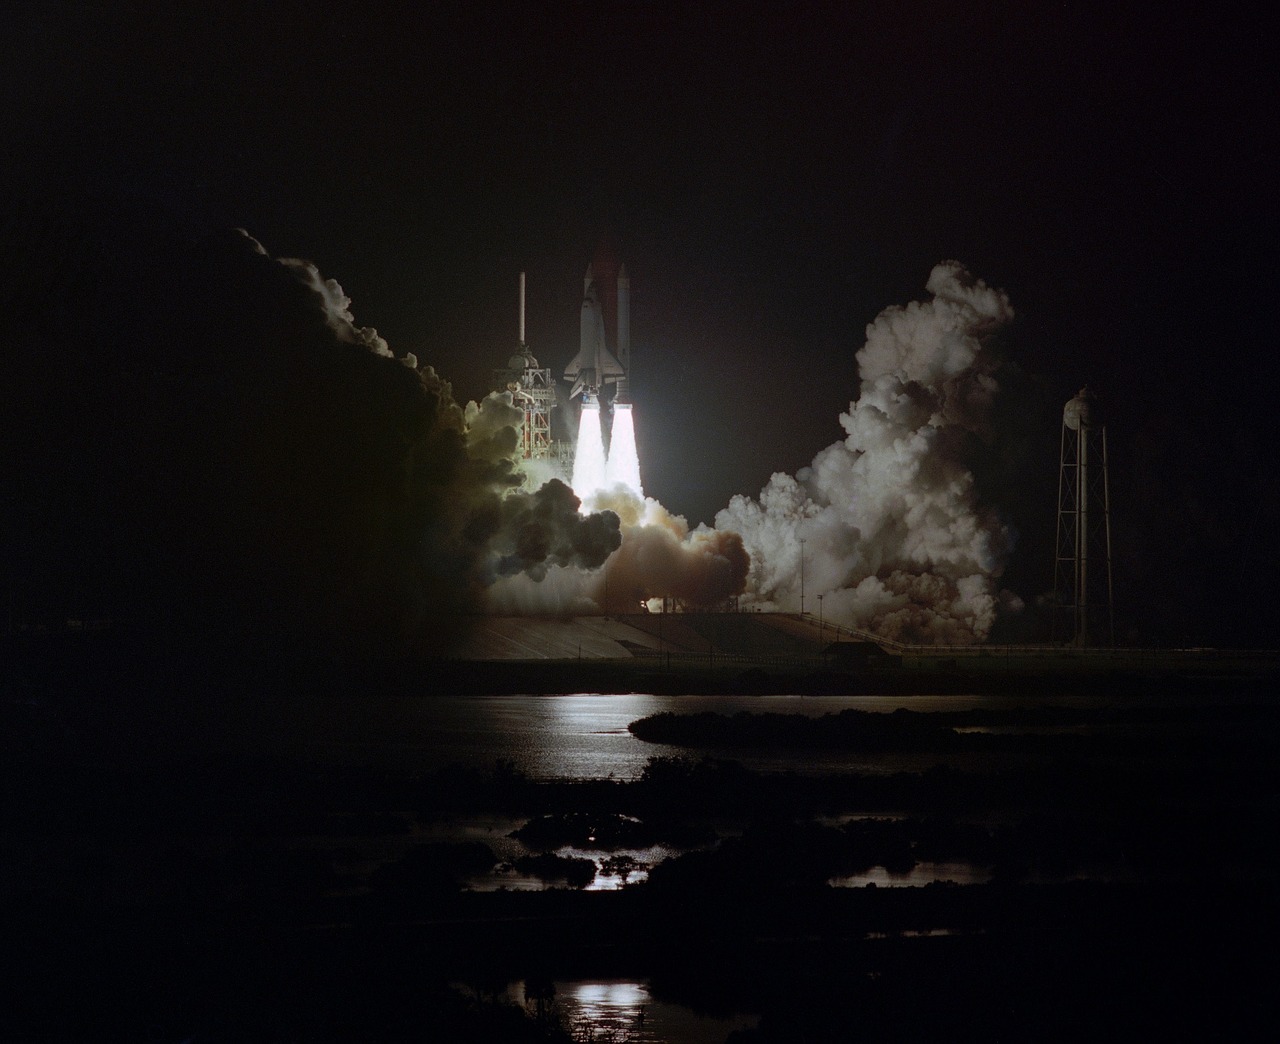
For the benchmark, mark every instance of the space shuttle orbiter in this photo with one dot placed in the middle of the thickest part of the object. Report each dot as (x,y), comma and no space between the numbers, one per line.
(594,366)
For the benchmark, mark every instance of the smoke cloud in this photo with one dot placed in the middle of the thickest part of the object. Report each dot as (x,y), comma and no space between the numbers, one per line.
(658,558)
(201,438)
(204,442)
(896,537)
(337,308)
(531,532)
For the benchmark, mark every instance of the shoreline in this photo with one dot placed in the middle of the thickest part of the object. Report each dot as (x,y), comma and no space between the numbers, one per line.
(107,661)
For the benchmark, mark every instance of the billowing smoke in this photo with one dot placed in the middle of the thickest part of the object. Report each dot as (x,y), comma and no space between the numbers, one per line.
(531,532)
(205,443)
(894,534)
(337,308)
(658,558)
(491,524)
(334,302)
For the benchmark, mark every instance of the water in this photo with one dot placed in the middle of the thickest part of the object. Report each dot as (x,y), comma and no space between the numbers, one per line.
(584,736)
(920,874)
(623,1010)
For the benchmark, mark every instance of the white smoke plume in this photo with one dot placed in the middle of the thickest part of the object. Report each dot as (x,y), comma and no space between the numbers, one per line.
(492,427)
(896,538)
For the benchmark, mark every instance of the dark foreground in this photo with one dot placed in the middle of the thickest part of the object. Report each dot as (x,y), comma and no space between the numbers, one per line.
(1028,963)
(212,894)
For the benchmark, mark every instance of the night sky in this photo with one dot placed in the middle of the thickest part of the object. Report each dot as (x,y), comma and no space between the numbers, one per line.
(771,180)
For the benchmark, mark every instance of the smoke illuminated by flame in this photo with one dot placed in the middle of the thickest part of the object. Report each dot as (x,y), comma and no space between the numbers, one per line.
(658,558)
(623,465)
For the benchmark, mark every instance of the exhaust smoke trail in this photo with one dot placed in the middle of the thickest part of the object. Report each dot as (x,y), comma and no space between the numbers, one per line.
(623,465)
(896,536)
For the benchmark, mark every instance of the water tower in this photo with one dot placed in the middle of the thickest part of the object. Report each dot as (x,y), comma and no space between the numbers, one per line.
(1082,597)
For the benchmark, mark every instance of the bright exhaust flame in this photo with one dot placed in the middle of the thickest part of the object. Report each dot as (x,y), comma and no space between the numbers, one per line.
(589,475)
(623,465)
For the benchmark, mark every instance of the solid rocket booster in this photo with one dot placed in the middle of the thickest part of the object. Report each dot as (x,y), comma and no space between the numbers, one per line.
(624,335)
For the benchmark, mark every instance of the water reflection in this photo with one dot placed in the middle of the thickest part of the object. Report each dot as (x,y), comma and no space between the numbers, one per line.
(614,870)
(624,1010)
(608,1009)
(584,735)
(626,866)
(920,874)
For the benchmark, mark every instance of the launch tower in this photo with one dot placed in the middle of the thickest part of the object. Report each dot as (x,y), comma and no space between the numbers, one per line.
(533,391)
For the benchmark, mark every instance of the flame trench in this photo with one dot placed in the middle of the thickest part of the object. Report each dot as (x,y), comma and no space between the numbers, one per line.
(623,465)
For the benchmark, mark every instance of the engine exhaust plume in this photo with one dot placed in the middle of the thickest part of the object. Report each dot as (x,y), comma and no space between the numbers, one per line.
(623,465)
(588,461)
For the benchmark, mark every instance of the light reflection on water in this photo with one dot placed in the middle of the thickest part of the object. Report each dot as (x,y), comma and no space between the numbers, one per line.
(622,1010)
(920,874)
(645,857)
(584,735)
(513,881)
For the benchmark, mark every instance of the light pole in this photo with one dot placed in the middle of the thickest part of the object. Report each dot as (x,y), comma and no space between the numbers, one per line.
(802,576)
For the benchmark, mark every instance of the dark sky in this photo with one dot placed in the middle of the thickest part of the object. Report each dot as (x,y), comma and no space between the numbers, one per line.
(772,180)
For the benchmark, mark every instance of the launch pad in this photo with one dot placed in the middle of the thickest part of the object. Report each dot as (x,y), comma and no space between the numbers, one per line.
(603,455)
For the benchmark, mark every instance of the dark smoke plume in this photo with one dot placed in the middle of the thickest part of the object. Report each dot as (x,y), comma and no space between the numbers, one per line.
(200,440)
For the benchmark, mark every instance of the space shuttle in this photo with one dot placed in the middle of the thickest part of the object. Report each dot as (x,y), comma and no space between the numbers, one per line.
(595,365)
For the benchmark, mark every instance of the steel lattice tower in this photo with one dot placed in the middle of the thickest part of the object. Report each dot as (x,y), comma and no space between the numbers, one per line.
(1082,595)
